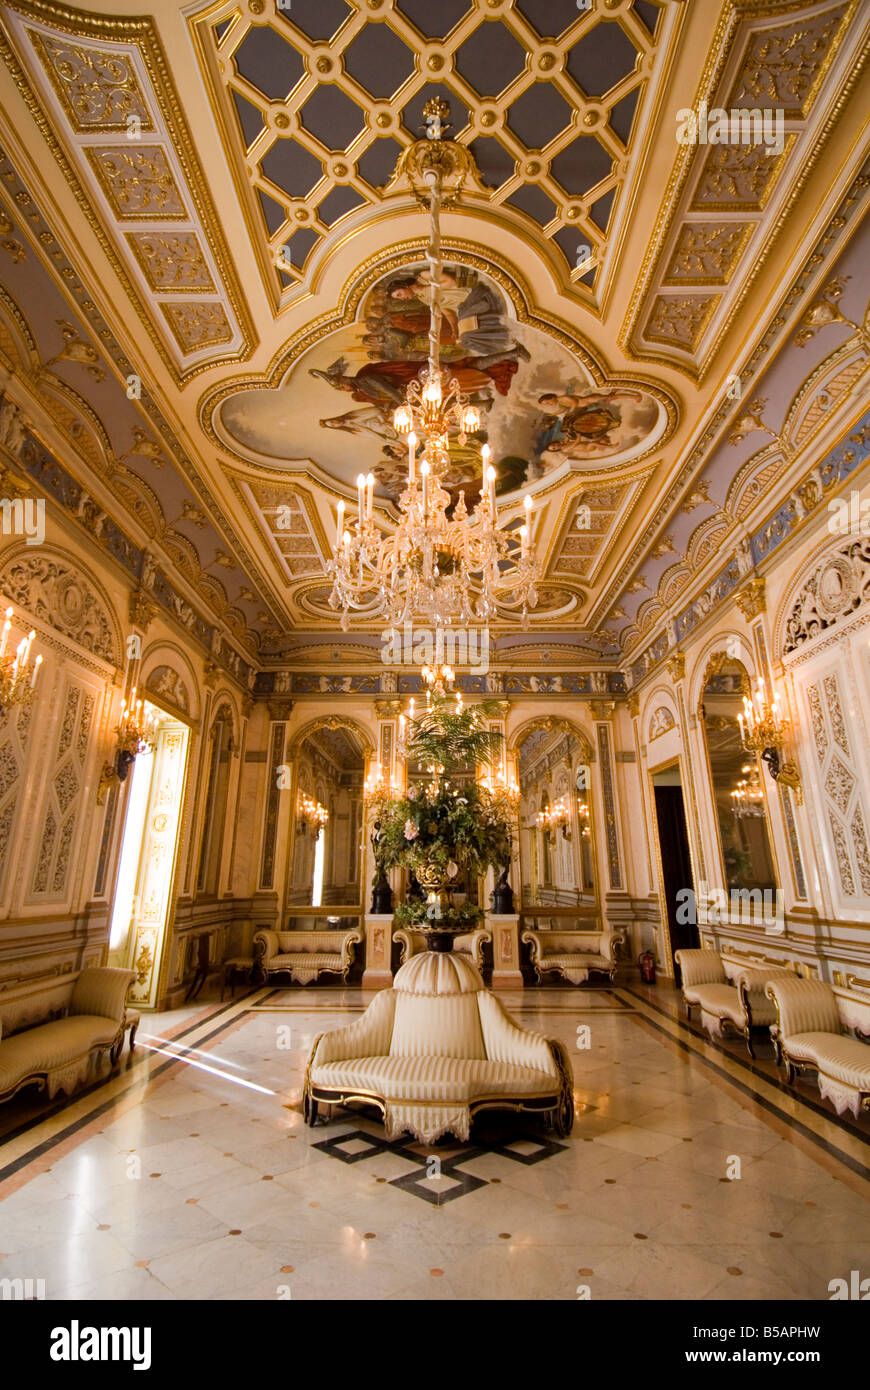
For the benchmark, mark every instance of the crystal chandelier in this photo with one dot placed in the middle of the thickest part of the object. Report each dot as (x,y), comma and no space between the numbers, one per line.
(434,568)
(747,797)
(765,732)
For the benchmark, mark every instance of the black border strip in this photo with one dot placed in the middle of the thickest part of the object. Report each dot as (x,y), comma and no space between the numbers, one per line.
(817,1106)
(855,1164)
(45,1147)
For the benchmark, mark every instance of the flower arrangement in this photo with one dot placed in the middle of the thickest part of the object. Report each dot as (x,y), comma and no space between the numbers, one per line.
(449,826)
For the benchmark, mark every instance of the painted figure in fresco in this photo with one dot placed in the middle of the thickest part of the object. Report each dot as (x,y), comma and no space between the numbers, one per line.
(583,425)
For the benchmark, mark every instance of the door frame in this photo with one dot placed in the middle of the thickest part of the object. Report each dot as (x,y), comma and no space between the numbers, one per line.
(652,772)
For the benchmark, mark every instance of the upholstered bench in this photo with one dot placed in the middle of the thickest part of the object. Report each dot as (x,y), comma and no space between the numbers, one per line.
(739,1003)
(809,1034)
(305,954)
(469,945)
(57,1055)
(573,954)
(433,1051)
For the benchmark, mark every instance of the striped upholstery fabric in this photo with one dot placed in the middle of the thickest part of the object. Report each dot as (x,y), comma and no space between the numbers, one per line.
(437,973)
(101,992)
(805,1006)
(368,1036)
(721,1001)
(324,960)
(430,1048)
(507,1042)
(846,1059)
(442,1026)
(433,1079)
(54,1047)
(699,968)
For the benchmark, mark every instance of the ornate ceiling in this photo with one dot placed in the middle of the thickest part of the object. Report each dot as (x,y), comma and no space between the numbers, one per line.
(212,286)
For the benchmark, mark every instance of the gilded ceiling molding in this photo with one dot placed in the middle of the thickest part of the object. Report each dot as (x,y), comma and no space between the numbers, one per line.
(851,453)
(18,329)
(845,221)
(53,259)
(40,18)
(322,65)
(687,248)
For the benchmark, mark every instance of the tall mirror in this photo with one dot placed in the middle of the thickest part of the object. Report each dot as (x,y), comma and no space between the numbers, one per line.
(555,815)
(735,777)
(328,819)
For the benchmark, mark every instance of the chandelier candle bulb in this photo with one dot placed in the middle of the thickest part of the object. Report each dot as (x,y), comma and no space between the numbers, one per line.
(361,492)
(370,490)
(5,634)
(339,526)
(36,665)
(490,478)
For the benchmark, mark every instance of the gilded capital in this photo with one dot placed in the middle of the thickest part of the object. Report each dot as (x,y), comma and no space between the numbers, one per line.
(751,599)
(676,665)
(143,610)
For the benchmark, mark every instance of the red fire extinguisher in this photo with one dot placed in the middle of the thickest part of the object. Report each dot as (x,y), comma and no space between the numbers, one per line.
(647,962)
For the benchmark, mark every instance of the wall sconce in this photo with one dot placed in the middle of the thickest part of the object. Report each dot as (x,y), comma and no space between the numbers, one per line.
(764,732)
(15,688)
(583,817)
(310,812)
(135,734)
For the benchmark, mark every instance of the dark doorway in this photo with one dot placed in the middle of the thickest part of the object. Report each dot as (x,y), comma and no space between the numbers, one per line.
(676,868)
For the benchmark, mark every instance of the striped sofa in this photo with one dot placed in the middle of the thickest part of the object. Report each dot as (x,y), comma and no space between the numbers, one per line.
(433,1051)
(739,1003)
(574,955)
(304,954)
(58,1055)
(809,1034)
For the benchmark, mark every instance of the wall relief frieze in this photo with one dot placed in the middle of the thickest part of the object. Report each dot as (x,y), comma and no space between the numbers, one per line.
(59,595)
(839,585)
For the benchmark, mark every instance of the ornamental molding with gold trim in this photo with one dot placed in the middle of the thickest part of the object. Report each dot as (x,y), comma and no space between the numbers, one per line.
(101,90)
(725,201)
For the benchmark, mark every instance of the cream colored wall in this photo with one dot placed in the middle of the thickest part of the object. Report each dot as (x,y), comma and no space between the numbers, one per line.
(53,917)
(825,933)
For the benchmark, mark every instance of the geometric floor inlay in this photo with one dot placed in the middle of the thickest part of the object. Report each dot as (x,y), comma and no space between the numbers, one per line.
(435,1179)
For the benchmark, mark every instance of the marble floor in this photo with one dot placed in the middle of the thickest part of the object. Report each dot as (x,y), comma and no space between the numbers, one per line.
(691,1173)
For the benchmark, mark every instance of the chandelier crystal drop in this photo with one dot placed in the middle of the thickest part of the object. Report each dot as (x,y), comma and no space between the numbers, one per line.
(436,567)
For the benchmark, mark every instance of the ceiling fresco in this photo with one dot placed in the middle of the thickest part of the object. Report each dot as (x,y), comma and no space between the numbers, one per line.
(540,412)
(204,199)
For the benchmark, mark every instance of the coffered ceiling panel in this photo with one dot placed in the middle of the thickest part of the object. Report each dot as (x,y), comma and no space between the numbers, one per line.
(114,114)
(781,76)
(317,103)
